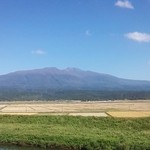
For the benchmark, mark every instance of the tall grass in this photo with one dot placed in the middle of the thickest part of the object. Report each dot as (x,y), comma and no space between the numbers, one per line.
(68,132)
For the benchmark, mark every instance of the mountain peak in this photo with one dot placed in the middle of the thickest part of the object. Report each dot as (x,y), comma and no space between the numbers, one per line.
(72,69)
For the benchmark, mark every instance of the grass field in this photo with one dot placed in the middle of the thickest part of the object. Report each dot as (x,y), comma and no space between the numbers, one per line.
(61,125)
(76,133)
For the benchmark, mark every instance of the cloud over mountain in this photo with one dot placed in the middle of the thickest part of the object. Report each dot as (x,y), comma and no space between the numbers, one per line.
(124,4)
(138,36)
(39,52)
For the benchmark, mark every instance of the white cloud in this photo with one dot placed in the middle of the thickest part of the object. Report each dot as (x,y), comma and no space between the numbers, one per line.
(88,33)
(38,52)
(138,36)
(124,4)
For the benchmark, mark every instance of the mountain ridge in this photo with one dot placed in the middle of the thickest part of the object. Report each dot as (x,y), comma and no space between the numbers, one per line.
(69,78)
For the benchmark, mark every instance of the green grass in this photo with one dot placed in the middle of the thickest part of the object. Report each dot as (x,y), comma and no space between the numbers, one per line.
(68,132)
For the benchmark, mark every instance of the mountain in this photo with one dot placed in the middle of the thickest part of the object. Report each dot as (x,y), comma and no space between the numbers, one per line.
(70,83)
(68,79)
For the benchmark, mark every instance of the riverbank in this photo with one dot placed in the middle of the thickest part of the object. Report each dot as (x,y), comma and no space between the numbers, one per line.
(75,133)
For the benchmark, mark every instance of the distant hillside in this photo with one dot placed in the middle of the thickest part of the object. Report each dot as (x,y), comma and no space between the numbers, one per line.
(47,81)
(70,78)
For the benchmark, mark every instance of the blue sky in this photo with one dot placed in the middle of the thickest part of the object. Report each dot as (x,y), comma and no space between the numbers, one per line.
(106,36)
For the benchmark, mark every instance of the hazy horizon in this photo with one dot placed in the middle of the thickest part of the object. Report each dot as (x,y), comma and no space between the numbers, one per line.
(111,37)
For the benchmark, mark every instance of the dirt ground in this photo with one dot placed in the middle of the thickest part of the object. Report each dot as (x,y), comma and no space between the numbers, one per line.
(90,108)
